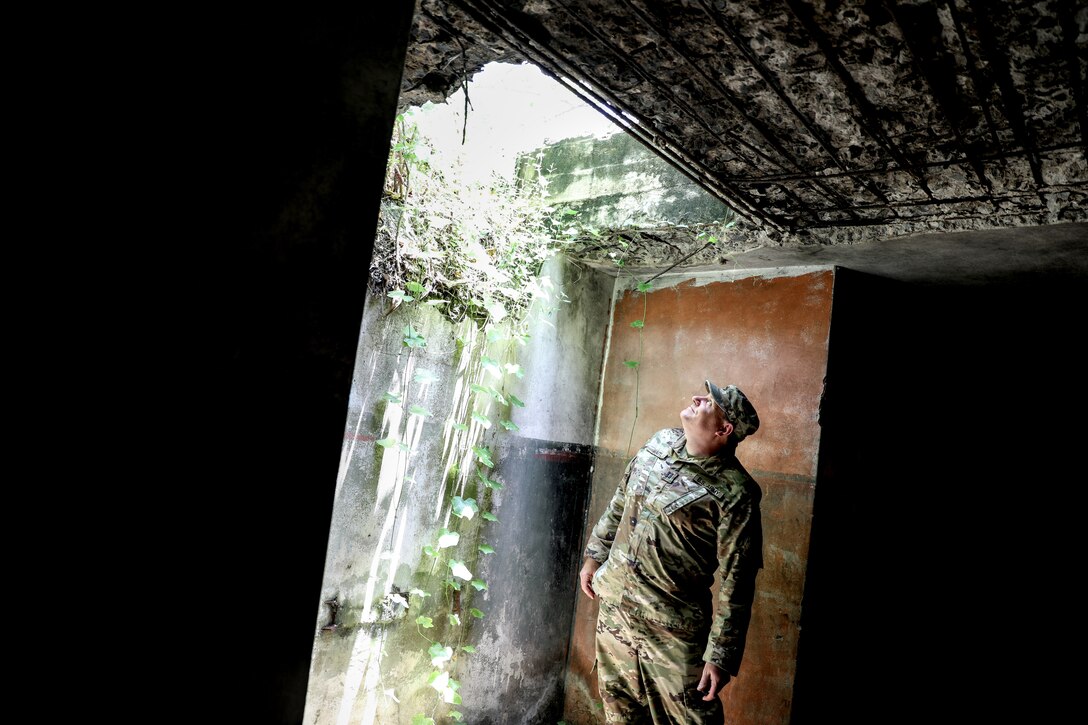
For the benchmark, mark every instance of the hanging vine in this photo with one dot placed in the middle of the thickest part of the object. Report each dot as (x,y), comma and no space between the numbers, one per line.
(474,255)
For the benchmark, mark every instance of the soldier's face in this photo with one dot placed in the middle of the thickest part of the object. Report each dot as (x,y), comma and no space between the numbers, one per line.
(702,419)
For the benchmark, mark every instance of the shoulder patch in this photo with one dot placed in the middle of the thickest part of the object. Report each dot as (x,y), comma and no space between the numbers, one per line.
(661,444)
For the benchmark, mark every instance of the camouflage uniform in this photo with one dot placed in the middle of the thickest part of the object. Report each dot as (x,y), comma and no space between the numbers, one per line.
(673,521)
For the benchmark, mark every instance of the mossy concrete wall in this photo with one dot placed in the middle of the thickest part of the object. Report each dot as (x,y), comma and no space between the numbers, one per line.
(617,182)
(406,465)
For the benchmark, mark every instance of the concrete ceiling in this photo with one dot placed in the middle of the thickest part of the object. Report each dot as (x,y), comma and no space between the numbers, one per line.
(855,133)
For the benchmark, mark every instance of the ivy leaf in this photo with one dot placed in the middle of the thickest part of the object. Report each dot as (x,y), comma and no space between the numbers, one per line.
(460,570)
(430,550)
(424,376)
(465,508)
(386,442)
(484,455)
(497,396)
(489,482)
(420,410)
(455,715)
(439,680)
(496,310)
(420,593)
(425,622)
(515,401)
(422,720)
(496,334)
(509,425)
(479,389)
(440,654)
(392,397)
(400,296)
(476,613)
(460,426)
(631,363)
(469,648)
(481,419)
(491,366)
(515,370)
(485,548)
(453,584)
(455,619)
(412,338)
(479,584)
(415,287)
(645,286)
(638,324)
(489,516)
(402,446)
(448,539)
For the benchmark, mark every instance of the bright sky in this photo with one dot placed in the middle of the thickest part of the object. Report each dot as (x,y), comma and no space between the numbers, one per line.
(513,109)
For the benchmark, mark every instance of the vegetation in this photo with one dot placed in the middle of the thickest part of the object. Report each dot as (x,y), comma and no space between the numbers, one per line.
(476,250)
(473,255)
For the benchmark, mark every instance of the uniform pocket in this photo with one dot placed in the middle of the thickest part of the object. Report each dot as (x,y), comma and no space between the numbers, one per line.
(600,582)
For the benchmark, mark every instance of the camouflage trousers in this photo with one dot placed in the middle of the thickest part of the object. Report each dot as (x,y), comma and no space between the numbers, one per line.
(647,673)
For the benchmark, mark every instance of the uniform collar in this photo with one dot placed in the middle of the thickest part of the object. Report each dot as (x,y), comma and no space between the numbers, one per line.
(710,464)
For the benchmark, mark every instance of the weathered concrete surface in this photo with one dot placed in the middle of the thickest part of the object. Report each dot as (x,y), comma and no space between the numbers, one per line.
(371,659)
(825,123)
(519,672)
(768,334)
(279,129)
(941,511)
(564,357)
(616,182)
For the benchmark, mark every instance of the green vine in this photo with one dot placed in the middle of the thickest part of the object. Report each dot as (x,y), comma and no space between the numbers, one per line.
(639,325)
(475,256)
(476,250)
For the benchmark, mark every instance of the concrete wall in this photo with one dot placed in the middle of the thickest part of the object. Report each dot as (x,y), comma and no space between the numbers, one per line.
(768,333)
(259,181)
(617,182)
(945,527)
(370,658)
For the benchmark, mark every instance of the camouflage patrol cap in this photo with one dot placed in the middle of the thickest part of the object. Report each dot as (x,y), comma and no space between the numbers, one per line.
(736,407)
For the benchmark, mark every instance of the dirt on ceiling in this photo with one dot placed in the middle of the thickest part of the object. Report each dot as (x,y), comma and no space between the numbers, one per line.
(829,123)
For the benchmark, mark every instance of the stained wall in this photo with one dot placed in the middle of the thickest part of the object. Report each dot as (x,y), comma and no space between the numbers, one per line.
(414,417)
(768,334)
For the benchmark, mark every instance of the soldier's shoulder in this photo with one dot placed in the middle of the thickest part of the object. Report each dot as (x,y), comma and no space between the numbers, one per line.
(737,484)
(663,441)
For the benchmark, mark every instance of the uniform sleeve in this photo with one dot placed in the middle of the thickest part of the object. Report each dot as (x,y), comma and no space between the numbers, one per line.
(740,557)
(604,533)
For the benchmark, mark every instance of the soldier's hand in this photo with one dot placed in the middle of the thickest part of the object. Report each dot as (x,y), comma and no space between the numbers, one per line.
(585,576)
(713,680)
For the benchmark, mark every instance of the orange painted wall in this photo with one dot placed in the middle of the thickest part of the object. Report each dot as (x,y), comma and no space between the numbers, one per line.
(769,336)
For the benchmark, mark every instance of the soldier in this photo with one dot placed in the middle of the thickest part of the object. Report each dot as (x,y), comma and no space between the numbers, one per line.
(685,508)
